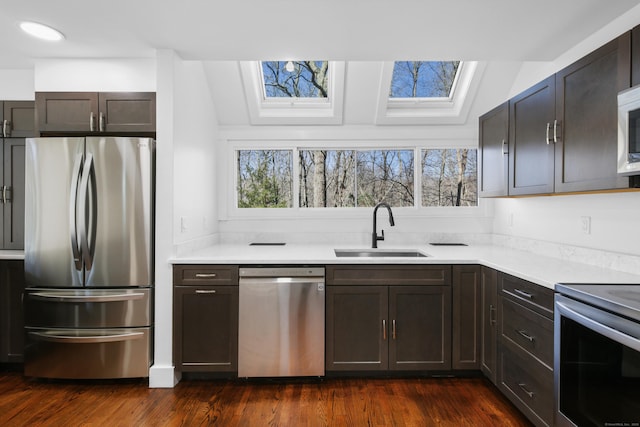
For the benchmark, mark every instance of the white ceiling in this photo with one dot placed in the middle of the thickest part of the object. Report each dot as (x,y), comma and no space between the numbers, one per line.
(304,29)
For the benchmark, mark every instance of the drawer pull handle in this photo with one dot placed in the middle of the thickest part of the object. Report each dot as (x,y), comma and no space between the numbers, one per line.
(527,392)
(525,335)
(206,275)
(205,291)
(523,293)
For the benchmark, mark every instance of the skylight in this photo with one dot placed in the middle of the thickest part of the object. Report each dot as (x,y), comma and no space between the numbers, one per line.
(295,79)
(427,92)
(423,79)
(294,92)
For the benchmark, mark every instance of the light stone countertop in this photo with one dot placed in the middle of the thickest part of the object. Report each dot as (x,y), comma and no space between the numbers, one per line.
(542,270)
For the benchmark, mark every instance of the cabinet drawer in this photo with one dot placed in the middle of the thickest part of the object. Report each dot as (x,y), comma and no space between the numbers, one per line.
(536,297)
(202,275)
(388,275)
(528,384)
(527,329)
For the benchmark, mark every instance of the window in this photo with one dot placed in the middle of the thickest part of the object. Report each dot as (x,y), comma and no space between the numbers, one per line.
(295,79)
(427,92)
(264,179)
(356,178)
(311,93)
(449,177)
(351,178)
(423,79)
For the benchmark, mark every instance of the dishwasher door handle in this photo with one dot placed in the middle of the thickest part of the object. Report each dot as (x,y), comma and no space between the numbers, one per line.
(281,280)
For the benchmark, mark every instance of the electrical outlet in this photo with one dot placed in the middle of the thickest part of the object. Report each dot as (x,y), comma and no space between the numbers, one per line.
(585,224)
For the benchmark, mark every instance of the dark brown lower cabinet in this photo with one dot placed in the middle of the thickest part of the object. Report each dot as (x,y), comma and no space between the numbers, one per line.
(489,322)
(466,300)
(525,350)
(12,286)
(206,322)
(402,328)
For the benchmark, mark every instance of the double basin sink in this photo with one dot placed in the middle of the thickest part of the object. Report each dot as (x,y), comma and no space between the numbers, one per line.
(379,253)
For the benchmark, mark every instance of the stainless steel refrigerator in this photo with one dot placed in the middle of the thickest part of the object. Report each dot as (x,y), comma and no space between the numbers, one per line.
(88,257)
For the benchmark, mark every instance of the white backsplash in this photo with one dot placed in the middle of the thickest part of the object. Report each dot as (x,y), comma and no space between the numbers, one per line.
(593,257)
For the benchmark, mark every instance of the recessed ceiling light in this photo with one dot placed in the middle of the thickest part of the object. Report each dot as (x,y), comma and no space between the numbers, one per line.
(41,31)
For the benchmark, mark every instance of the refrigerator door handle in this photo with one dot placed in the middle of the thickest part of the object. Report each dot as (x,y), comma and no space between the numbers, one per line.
(89,339)
(89,213)
(73,211)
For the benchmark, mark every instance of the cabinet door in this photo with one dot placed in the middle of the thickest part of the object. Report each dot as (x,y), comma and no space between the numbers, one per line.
(206,328)
(493,154)
(357,332)
(466,317)
(20,119)
(127,111)
(489,286)
(420,327)
(67,111)
(14,193)
(635,56)
(586,153)
(12,286)
(531,151)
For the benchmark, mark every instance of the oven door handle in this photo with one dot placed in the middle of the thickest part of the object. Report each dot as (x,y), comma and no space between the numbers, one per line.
(605,330)
(89,339)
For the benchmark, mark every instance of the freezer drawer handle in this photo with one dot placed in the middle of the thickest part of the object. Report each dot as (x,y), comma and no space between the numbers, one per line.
(87,298)
(86,340)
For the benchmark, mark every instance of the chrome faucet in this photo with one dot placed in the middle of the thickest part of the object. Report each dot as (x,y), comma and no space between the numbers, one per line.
(374,235)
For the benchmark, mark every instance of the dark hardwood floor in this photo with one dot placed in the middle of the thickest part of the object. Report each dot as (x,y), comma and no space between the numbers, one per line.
(328,402)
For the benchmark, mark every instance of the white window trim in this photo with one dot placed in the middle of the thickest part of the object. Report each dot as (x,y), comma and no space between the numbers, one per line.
(419,111)
(296,111)
(229,209)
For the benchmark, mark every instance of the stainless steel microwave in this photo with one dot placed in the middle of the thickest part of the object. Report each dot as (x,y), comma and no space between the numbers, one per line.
(629,131)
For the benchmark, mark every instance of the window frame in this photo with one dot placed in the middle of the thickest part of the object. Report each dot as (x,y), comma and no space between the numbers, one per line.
(300,111)
(229,183)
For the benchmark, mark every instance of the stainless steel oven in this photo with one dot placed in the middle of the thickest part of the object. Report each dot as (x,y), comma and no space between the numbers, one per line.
(597,355)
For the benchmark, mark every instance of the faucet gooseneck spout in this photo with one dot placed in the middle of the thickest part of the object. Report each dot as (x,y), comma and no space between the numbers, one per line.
(374,235)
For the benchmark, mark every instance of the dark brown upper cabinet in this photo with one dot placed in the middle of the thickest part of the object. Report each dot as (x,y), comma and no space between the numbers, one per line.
(95,112)
(493,153)
(18,119)
(562,134)
(530,139)
(586,149)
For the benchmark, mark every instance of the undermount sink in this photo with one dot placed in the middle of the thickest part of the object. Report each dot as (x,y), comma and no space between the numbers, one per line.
(381,253)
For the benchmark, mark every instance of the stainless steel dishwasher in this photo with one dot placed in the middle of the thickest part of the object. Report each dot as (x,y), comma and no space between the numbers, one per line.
(281,322)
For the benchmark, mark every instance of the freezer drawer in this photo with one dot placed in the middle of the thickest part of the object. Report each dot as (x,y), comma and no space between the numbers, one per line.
(87,308)
(88,353)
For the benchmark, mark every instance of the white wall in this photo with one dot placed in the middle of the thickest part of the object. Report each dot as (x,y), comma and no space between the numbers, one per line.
(559,219)
(92,75)
(185,187)
(17,85)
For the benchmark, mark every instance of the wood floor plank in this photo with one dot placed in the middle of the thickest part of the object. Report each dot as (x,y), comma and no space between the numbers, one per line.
(356,402)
